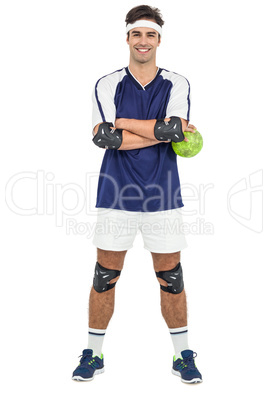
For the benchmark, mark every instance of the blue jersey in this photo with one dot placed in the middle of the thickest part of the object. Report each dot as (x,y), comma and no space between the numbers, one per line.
(145,179)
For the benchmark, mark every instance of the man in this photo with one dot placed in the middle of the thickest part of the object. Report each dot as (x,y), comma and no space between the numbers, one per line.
(137,111)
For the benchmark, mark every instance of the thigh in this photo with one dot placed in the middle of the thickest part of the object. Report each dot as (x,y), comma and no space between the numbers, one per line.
(111,259)
(162,232)
(165,261)
(115,229)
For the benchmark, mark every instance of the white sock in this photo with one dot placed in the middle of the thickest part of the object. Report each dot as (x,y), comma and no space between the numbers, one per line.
(95,340)
(179,338)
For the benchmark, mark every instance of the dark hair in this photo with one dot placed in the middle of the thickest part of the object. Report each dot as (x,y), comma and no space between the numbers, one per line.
(147,12)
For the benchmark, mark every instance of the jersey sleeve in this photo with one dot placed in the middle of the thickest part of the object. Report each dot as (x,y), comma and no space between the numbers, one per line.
(104,109)
(179,102)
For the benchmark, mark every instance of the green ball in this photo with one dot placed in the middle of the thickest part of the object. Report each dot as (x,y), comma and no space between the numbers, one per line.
(190,148)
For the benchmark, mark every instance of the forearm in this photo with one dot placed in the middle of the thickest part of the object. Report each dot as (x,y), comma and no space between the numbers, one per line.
(133,141)
(142,128)
(131,134)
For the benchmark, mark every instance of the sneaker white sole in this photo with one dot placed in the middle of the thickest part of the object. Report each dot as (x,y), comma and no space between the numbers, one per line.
(193,381)
(78,378)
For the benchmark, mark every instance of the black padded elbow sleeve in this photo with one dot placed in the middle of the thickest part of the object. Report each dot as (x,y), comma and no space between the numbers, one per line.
(107,137)
(169,130)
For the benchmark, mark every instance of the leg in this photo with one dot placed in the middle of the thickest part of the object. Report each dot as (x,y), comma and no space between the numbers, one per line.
(101,305)
(174,310)
(173,306)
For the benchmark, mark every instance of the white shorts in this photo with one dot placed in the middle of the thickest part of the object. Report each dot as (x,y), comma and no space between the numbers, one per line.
(161,231)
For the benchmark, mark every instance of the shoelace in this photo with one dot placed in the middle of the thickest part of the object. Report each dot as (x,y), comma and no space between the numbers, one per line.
(91,362)
(84,358)
(189,361)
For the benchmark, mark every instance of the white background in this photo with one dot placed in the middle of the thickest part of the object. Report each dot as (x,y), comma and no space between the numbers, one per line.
(52,54)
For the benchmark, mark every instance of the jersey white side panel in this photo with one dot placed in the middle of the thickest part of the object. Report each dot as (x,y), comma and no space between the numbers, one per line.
(179,102)
(103,98)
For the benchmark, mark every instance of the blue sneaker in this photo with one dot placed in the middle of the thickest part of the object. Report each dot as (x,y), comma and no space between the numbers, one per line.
(186,368)
(88,366)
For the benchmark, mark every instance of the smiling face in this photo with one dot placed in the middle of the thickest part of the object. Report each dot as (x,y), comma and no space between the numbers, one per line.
(143,43)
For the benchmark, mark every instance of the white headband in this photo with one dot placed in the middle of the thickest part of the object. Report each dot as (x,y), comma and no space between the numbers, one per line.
(144,24)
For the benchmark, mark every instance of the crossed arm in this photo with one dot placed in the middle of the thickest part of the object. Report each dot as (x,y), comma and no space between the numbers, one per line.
(136,133)
(140,133)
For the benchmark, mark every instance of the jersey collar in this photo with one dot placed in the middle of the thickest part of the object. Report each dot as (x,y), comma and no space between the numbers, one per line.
(138,84)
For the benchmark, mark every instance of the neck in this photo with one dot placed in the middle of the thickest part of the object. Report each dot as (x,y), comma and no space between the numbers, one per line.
(144,73)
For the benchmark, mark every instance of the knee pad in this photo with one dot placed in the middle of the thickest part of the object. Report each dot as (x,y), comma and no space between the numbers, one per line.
(174,279)
(102,278)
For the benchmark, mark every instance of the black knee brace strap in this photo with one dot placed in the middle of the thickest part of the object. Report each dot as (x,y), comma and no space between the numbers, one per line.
(102,278)
(174,279)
